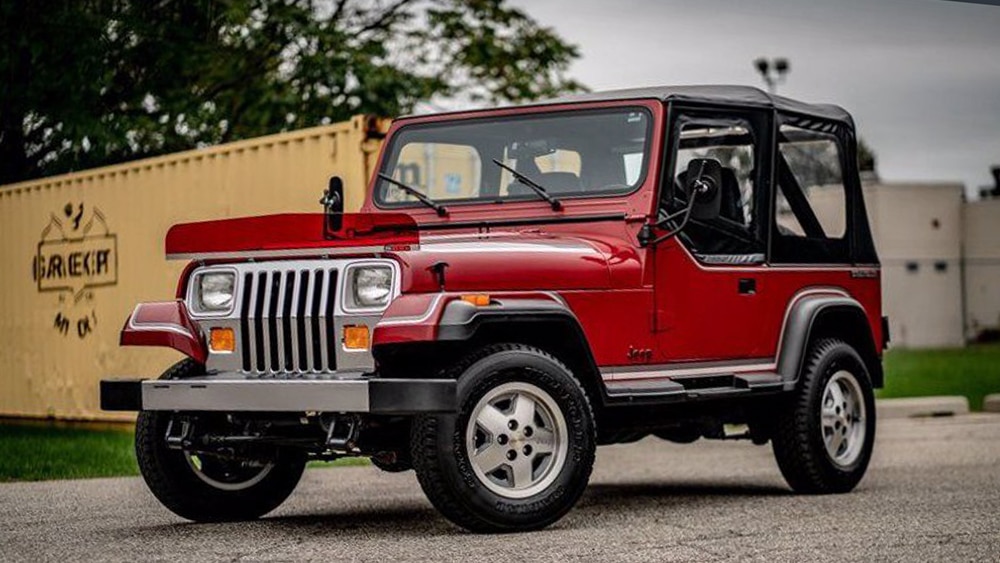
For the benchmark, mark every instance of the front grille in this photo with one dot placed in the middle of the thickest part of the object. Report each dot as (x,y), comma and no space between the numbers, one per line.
(286,321)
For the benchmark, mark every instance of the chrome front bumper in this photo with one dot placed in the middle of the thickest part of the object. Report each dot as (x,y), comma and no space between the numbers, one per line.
(242,393)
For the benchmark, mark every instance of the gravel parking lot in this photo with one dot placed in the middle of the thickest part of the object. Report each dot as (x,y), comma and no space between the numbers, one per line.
(932,494)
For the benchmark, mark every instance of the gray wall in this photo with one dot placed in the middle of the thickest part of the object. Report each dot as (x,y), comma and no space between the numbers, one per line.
(918,234)
(981,232)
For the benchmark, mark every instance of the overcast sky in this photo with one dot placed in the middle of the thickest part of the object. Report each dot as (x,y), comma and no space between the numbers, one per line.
(921,77)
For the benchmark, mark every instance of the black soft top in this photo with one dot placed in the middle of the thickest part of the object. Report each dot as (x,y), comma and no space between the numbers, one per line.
(741,96)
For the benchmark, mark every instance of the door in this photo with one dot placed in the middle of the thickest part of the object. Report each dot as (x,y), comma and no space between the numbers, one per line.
(709,278)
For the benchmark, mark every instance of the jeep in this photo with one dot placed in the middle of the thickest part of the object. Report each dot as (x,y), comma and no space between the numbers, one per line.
(520,286)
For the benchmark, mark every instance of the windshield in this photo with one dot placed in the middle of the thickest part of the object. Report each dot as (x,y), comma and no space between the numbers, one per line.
(568,154)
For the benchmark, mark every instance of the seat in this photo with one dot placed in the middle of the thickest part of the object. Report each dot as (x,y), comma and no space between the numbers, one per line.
(731,199)
(718,241)
(731,204)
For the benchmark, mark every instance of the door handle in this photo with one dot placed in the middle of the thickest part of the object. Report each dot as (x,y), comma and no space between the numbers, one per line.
(748,286)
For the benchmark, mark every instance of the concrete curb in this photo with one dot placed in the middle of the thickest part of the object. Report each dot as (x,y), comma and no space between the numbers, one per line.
(922,406)
(991,402)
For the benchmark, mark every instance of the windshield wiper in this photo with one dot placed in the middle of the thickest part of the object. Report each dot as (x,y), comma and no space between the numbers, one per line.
(441,210)
(538,189)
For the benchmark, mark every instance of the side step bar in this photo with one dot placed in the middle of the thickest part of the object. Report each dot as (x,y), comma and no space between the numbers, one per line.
(692,388)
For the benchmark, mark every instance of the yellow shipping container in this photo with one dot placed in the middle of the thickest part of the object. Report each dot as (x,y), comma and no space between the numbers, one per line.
(80,250)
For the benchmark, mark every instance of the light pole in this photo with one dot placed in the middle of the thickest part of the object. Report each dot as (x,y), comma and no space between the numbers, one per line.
(772,71)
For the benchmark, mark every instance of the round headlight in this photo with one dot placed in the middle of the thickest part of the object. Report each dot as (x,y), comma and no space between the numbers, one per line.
(215,291)
(371,285)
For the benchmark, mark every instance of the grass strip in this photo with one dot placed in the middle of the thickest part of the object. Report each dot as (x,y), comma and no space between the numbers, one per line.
(39,452)
(973,372)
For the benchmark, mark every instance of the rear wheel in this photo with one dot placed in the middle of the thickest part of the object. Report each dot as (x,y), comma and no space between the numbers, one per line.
(209,487)
(824,437)
(518,454)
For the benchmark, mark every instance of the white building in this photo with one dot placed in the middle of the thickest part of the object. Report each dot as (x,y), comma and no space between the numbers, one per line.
(940,262)
(918,235)
(981,237)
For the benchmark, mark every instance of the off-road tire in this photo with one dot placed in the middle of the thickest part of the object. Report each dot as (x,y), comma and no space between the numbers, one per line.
(441,460)
(172,481)
(798,436)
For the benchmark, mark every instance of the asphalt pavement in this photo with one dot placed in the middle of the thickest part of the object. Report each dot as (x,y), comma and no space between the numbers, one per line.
(931,494)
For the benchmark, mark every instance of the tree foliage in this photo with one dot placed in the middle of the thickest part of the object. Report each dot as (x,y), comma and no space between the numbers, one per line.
(866,157)
(92,82)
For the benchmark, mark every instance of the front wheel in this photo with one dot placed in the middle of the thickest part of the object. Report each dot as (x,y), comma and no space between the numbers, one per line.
(211,487)
(518,454)
(824,436)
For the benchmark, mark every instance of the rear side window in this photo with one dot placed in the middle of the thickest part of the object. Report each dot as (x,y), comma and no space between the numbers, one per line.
(810,203)
(814,162)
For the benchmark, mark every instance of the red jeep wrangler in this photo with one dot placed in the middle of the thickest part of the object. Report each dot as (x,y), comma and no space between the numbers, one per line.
(520,286)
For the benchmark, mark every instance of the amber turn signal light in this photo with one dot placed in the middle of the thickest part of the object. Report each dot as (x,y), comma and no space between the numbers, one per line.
(356,337)
(222,340)
(477,299)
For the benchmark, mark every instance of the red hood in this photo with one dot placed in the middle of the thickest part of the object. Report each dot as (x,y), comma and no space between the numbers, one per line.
(510,260)
(297,233)
(514,260)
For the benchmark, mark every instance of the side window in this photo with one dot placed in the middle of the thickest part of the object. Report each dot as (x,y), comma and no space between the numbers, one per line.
(733,235)
(813,160)
(810,203)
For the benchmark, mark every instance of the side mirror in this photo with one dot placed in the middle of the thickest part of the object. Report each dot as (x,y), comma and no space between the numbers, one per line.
(333,204)
(704,183)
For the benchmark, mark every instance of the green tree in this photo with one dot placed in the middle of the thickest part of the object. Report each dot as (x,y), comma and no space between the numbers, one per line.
(91,82)
(866,157)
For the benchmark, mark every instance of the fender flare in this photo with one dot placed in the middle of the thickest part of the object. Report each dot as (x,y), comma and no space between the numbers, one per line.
(461,320)
(457,322)
(803,316)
